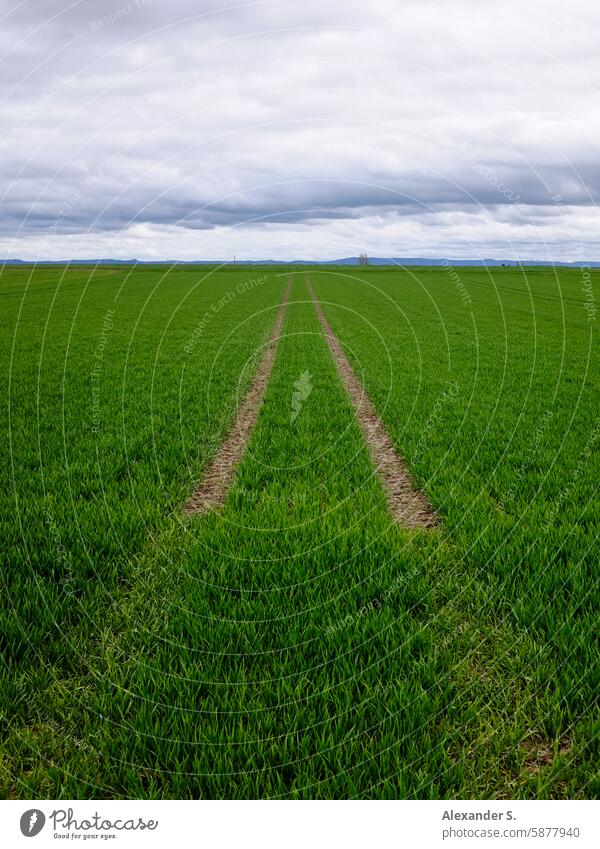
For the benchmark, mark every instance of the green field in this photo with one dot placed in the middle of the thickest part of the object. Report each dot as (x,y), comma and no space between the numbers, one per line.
(298,643)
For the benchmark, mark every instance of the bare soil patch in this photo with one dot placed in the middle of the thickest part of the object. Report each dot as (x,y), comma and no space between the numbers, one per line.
(541,753)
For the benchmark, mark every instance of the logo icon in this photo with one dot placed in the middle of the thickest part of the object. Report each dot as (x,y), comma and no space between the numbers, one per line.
(303,387)
(32,822)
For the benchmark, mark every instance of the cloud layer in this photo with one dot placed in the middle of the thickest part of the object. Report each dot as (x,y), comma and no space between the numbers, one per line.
(282,130)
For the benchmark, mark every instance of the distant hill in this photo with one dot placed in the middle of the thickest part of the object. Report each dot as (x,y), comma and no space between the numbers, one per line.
(350,260)
(420,260)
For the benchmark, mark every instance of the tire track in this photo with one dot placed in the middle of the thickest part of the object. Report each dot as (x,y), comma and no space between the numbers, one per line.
(408,506)
(218,478)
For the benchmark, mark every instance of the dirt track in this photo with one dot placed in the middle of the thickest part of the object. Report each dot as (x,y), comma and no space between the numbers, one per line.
(408,505)
(216,482)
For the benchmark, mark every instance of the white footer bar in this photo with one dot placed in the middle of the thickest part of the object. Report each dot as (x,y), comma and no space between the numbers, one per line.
(297,825)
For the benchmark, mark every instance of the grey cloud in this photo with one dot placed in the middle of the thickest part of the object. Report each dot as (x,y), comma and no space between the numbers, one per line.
(264,117)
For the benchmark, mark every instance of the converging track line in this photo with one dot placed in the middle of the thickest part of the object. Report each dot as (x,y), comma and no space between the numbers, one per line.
(408,506)
(218,478)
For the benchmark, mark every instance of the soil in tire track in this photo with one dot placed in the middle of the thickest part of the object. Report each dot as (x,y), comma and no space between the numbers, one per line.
(408,506)
(218,478)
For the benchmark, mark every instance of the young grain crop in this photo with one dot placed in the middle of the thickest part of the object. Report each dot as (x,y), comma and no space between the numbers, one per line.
(299,643)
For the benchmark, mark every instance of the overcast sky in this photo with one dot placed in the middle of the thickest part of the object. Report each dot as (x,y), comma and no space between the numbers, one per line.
(166,129)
